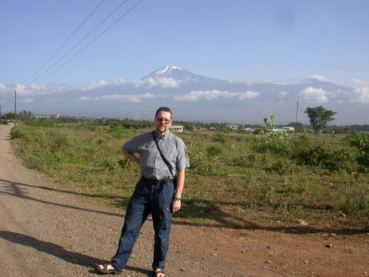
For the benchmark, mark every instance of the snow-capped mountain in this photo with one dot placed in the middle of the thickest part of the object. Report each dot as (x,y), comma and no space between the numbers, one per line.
(169,71)
(179,74)
(174,72)
(197,97)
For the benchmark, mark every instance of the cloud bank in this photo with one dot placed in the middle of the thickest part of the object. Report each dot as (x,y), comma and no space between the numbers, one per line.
(215,94)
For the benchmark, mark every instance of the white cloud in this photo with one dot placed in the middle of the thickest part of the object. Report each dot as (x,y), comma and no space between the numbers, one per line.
(316,77)
(215,94)
(168,82)
(20,88)
(164,82)
(97,84)
(247,95)
(280,83)
(2,88)
(134,98)
(357,83)
(363,94)
(315,94)
(33,89)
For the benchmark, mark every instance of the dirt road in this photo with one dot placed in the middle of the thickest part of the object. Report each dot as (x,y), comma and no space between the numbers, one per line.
(46,230)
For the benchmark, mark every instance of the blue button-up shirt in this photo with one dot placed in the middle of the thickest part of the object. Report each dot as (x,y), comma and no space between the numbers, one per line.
(151,163)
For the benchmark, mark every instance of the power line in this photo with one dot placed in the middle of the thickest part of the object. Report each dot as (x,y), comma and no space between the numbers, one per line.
(49,71)
(64,43)
(93,40)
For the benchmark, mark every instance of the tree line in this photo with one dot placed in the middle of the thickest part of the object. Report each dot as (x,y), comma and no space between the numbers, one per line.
(319,118)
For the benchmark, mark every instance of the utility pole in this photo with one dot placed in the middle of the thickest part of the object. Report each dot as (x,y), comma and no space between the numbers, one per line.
(15,107)
(297,112)
(143,114)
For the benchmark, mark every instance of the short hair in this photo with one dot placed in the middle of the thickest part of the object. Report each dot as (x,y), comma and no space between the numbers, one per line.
(163,109)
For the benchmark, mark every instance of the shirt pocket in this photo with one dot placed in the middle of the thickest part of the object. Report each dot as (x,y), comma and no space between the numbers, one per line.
(146,150)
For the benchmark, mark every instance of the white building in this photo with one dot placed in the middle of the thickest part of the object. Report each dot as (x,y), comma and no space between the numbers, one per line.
(233,127)
(176,129)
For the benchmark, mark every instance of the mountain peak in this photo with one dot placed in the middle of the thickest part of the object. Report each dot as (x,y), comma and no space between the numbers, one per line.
(174,72)
(167,70)
(178,75)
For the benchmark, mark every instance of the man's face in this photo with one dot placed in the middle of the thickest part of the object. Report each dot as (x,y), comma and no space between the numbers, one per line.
(163,122)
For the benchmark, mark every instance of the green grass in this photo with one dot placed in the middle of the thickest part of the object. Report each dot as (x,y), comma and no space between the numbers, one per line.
(233,178)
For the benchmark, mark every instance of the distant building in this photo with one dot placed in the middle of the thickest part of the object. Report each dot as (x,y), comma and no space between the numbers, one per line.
(248,130)
(287,129)
(44,116)
(39,116)
(233,127)
(176,129)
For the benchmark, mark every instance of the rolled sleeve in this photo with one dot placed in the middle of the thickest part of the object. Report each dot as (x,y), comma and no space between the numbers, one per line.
(182,157)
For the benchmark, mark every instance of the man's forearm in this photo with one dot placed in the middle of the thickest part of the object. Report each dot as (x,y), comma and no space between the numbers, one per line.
(180,183)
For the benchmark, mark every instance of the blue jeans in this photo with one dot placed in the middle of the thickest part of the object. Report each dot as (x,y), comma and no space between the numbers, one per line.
(149,196)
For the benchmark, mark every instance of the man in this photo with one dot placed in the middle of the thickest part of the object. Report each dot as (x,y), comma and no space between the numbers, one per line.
(155,192)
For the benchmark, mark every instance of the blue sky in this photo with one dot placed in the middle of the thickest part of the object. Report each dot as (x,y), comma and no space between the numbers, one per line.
(259,41)
(242,40)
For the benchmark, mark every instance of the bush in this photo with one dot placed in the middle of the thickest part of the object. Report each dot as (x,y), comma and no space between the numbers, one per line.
(221,137)
(17,133)
(361,142)
(214,151)
(58,141)
(324,157)
(116,130)
(351,203)
(288,188)
(273,145)
(281,167)
(245,161)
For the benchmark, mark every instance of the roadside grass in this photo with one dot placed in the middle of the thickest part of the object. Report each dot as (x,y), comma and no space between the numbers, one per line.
(234,179)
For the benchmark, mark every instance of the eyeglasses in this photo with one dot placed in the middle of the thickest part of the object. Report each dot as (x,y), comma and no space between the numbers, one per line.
(165,120)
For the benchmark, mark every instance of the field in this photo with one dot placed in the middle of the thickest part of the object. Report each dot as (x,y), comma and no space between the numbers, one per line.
(234,179)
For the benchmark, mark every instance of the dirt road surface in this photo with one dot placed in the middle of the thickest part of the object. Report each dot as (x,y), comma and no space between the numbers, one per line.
(46,230)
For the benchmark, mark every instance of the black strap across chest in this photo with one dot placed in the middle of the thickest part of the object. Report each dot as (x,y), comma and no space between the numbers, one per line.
(162,156)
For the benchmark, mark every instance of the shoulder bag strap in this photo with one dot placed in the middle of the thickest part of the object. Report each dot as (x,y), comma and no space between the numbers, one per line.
(162,156)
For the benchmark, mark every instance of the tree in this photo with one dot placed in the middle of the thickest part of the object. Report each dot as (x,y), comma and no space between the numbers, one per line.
(319,118)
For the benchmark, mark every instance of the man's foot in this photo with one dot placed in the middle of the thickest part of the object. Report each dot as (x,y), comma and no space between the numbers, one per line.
(106,269)
(159,272)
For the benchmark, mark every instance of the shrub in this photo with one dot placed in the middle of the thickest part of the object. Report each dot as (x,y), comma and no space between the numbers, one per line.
(273,144)
(281,166)
(58,141)
(324,157)
(245,160)
(351,203)
(116,130)
(361,142)
(17,133)
(288,188)
(221,137)
(214,151)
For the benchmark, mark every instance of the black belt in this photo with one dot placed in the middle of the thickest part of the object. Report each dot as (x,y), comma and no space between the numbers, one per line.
(155,181)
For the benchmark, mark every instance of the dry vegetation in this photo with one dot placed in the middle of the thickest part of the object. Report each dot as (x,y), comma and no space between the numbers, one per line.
(233,179)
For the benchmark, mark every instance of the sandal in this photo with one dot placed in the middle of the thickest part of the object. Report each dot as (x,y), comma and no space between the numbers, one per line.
(159,272)
(106,269)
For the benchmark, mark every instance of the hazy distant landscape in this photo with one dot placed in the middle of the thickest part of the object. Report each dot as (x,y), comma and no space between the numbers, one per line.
(196,98)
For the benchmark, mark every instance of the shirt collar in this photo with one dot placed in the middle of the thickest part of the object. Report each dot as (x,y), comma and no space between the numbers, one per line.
(165,136)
